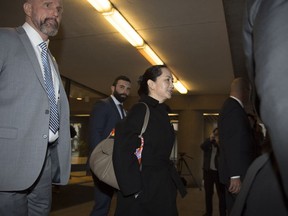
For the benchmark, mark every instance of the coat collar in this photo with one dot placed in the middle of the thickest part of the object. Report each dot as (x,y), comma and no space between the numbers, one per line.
(154,103)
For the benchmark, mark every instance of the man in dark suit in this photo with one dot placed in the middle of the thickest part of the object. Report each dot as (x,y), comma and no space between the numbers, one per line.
(235,140)
(266,50)
(34,122)
(105,114)
(210,174)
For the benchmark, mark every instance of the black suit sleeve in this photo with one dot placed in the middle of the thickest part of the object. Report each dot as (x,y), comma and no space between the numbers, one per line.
(98,120)
(238,142)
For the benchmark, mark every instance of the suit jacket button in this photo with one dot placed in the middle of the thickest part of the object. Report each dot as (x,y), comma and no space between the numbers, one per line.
(46,111)
(45,136)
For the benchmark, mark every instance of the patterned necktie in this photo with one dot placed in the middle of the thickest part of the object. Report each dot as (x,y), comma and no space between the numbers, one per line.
(54,116)
(122,111)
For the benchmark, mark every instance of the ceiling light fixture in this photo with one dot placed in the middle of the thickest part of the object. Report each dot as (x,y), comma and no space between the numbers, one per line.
(150,55)
(115,18)
(180,87)
(101,5)
(122,26)
(210,114)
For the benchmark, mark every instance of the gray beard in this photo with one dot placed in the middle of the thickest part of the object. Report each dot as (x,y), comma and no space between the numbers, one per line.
(49,30)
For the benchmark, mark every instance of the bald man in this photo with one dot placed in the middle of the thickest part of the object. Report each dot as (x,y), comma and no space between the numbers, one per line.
(34,128)
(235,140)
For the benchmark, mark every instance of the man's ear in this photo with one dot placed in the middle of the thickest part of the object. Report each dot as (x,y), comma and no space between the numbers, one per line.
(27,8)
(112,89)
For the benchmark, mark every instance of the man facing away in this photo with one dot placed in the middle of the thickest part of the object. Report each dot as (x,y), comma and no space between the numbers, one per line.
(235,140)
(104,116)
(34,112)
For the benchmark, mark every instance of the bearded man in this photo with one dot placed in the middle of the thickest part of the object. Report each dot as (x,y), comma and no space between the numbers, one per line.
(105,114)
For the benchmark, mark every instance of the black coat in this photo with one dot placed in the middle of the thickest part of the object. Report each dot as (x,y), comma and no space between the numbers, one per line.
(235,141)
(158,177)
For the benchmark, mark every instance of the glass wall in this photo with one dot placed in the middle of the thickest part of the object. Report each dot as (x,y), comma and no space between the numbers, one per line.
(81,100)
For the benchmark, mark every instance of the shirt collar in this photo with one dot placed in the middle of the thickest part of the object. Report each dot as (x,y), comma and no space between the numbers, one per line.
(237,100)
(115,100)
(33,35)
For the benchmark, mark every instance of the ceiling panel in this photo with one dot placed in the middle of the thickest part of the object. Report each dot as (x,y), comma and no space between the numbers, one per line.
(189,35)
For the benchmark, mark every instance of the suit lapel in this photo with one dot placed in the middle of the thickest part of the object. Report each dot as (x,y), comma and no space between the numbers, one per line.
(31,54)
(114,107)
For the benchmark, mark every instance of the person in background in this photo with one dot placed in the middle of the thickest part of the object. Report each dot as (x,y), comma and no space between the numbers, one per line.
(148,183)
(104,116)
(235,140)
(34,112)
(210,174)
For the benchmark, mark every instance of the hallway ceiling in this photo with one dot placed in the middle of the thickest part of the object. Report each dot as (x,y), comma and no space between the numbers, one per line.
(190,36)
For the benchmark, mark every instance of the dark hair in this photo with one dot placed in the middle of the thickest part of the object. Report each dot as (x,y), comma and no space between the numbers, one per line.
(121,78)
(150,74)
(215,129)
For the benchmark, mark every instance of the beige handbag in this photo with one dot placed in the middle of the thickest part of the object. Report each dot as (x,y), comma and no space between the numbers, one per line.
(100,160)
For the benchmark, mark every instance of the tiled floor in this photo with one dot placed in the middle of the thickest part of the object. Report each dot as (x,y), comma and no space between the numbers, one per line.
(76,199)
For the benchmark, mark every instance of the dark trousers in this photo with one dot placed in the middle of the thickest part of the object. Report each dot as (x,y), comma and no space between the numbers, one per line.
(102,198)
(210,178)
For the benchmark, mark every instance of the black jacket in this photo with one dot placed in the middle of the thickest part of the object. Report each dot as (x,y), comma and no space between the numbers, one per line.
(158,179)
(102,121)
(236,141)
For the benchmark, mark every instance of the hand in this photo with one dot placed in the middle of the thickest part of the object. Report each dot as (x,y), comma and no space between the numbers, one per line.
(235,185)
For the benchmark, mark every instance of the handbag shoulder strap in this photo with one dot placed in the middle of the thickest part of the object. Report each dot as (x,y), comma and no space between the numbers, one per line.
(146,119)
